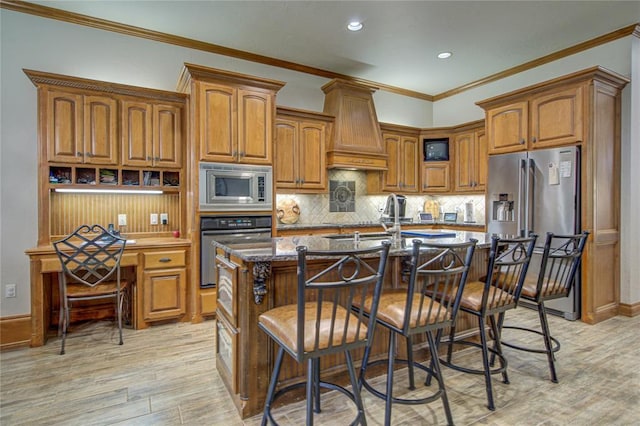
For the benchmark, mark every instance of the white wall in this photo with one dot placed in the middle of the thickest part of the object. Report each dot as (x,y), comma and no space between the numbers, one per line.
(75,50)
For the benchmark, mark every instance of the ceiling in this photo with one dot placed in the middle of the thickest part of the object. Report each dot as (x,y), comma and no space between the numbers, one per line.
(399,42)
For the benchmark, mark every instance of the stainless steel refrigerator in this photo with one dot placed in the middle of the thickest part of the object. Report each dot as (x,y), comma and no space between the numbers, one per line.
(537,191)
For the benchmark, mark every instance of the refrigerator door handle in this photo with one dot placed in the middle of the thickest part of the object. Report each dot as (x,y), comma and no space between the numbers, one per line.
(531,195)
(520,209)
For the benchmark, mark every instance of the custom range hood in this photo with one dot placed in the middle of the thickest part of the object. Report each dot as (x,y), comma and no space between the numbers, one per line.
(356,142)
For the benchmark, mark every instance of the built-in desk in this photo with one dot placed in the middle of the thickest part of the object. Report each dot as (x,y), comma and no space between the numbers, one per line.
(156,267)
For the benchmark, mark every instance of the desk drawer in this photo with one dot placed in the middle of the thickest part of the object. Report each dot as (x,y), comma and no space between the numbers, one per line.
(164,259)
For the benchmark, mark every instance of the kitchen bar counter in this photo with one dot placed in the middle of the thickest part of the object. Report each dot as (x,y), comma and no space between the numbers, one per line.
(255,277)
(370,224)
(284,248)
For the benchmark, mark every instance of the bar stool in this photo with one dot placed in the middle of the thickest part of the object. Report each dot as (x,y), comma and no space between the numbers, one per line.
(323,321)
(507,267)
(90,258)
(557,275)
(430,303)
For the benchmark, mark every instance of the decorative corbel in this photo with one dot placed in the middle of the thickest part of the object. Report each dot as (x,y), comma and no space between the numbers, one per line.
(261,272)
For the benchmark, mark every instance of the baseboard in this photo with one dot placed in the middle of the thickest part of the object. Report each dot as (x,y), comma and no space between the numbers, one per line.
(15,332)
(629,309)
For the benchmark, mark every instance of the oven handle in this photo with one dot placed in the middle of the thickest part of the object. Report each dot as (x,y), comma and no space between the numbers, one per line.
(237,232)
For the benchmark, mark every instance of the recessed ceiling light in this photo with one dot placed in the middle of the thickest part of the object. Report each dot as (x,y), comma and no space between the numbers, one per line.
(444,55)
(354,26)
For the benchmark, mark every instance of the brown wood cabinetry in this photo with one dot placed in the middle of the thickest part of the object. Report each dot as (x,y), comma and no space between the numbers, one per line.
(151,134)
(300,150)
(436,177)
(584,109)
(233,114)
(102,135)
(403,154)
(164,286)
(542,119)
(470,160)
(80,128)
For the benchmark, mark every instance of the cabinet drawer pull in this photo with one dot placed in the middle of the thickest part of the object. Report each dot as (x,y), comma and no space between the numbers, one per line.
(164,259)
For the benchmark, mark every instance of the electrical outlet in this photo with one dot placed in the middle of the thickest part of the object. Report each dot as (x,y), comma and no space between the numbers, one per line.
(122,219)
(164,218)
(10,290)
(154,219)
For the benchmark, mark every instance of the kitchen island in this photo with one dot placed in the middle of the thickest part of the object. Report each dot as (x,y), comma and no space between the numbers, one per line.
(258,276)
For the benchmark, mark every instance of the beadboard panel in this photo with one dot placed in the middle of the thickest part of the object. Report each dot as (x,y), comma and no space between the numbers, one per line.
(68,211)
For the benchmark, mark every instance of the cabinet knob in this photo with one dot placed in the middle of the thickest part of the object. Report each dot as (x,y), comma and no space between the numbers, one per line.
(88,154)
(156,159)
(148,158)
(522,141)
(79,154)
(534,140)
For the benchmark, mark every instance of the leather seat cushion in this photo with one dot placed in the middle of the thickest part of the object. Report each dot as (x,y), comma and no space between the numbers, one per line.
(391,309)
(549,287)
(472,296)
(282,323)
(107,288)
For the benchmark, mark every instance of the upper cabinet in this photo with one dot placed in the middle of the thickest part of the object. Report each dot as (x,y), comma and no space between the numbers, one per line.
(543,119)
(470,160)
(151,134)
(300,150)
(233,114)
(403,158)
(107,134)
(80,128)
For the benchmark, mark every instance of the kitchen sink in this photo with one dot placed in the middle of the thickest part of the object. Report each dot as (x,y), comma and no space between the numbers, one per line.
(363,236)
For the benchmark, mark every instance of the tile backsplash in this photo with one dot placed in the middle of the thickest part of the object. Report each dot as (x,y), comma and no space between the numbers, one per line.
(315,208)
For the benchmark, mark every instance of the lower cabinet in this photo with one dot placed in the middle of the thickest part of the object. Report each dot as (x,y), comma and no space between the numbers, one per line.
(226,352)
(164,285)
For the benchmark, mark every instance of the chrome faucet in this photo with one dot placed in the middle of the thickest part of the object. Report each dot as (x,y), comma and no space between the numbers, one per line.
(395,229)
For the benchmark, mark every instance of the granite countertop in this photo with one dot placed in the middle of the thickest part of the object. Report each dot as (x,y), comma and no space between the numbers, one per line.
(284,248)
(367,224)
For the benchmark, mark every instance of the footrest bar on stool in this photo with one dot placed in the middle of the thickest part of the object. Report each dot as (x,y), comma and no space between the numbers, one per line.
(554,348)
(405,401)
(326,385)
(475,371)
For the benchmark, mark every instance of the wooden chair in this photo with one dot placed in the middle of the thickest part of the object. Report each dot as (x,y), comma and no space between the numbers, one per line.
(322,321)
(429,304)
(90,258)
(559,267)
(506,270)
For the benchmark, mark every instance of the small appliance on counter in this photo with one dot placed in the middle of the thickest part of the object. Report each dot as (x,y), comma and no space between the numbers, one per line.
(426,217)
(388,215)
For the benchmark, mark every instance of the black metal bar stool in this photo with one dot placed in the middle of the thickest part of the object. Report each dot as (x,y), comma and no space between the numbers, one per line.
(323,321)
(90,258)
(430,303)
(507,267)
(559,267)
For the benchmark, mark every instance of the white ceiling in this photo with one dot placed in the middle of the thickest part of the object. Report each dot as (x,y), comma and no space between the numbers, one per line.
(400,39)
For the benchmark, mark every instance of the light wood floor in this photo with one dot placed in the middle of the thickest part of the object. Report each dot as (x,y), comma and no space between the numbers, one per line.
(166,376)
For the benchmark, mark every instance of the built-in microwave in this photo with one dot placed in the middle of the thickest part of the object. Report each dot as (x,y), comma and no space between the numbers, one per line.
(235,187)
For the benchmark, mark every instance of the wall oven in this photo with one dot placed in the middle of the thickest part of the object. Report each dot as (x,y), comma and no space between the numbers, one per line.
(235,187)
(235,229)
